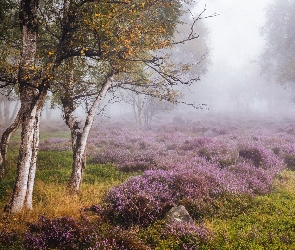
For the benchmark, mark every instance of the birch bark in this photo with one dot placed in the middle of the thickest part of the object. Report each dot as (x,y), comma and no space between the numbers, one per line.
(32,97)
(79,137)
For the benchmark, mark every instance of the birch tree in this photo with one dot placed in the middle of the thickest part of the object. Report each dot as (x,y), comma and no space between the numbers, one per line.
(141,63)
(54,32)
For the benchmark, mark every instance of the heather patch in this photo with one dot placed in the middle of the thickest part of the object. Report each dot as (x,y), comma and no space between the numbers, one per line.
(144,199)
(182,168)
(69,233)
(61,233)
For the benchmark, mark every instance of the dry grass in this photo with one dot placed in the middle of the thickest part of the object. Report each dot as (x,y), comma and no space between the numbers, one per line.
(53,200)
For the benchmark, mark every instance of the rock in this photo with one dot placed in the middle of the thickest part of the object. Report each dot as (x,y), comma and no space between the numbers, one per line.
(178,214)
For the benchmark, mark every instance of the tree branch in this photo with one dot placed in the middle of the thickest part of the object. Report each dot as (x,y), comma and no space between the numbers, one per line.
(202,106)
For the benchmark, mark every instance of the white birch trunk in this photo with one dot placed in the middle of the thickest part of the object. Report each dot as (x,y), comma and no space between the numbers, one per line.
(32,97)
(79,142)
(33,164)
(26,167)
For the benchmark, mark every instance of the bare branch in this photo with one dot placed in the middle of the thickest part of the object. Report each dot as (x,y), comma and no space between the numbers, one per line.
(202,106)
(193,36)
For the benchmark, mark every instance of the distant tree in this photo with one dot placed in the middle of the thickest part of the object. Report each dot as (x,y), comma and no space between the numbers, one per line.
(278,59)
(145,107)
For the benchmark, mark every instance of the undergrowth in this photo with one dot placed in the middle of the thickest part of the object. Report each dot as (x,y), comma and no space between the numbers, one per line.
(234,221)
(222,220)
(50,194)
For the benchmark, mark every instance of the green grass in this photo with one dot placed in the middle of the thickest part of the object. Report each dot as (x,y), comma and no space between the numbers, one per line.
(237,222)
(15,138)
(55,134)
(268,223)
(50,193)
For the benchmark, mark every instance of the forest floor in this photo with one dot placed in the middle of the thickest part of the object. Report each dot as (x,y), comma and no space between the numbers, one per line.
(234,177)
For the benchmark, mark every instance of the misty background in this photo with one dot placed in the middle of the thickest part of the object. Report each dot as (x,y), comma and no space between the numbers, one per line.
(234,82)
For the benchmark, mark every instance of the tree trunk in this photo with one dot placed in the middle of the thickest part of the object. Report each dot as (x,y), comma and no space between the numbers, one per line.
(80,136)
(79,162)
(32,97)
(5,140)
(1,113)
(33,164)
(48,111)
(32,103)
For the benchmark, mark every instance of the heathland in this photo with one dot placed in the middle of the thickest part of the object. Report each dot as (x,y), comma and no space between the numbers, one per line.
(234,176)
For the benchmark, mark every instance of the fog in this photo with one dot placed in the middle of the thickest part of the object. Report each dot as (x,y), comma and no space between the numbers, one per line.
(234,82)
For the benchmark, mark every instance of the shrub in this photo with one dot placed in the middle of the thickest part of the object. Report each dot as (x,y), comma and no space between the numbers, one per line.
(61,233)
(290,161)
(189,234)
(67,233)
(178,236)
(259,156)
(144,199)
(252,154)
(127,160)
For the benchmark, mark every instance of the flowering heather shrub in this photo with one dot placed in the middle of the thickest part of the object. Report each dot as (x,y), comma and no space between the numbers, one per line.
(252,180)
(144,199)
(197,143)
(218,152)
(288,154)
(67,233)
(290,161)
(259,156)
(189,163)
(126,160)
(61,233)
(190,235)
(289,129)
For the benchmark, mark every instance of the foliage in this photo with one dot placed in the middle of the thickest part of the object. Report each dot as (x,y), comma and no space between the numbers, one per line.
(7,238)
(142,200)
(176,236)
(195,172)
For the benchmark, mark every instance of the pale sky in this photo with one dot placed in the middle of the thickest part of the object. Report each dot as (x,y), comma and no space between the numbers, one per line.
(235,32)
(235,46)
